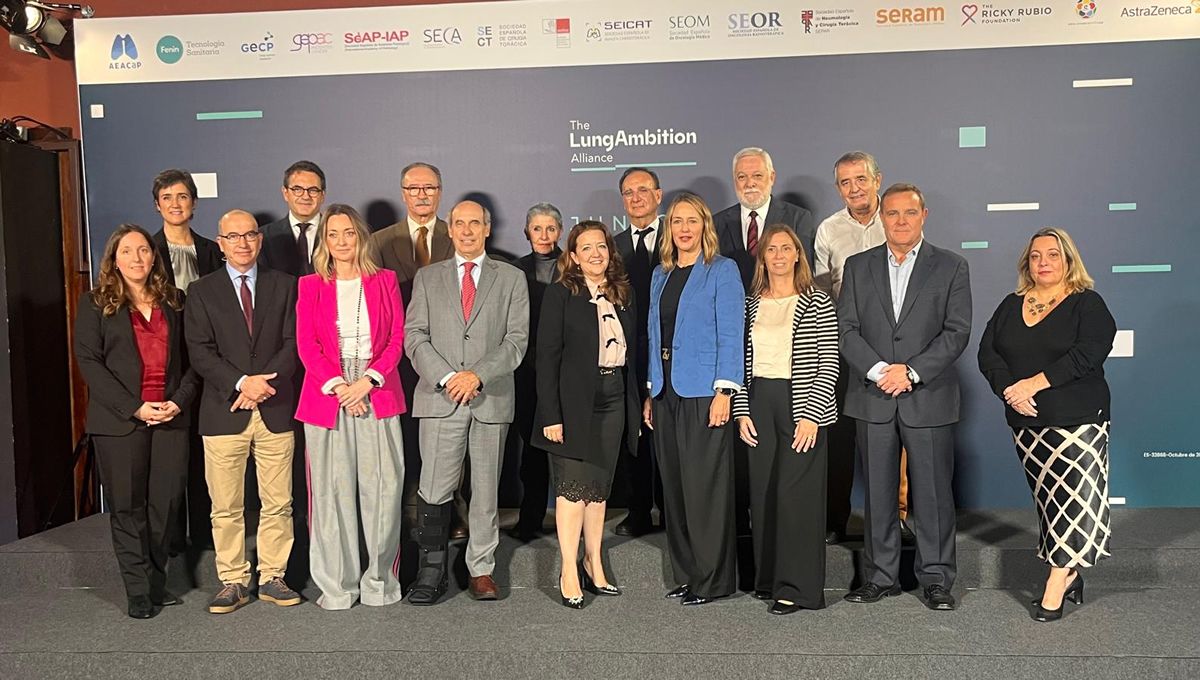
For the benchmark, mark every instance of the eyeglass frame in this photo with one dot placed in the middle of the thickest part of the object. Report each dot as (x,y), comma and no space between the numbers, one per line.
(250,236)
(427,189)
(298,191)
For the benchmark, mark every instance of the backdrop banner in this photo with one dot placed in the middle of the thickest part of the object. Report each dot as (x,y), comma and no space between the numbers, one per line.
(1010,115)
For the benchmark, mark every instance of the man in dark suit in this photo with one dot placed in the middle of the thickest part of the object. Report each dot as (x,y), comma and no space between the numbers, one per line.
(738,228)
(905,317)
(174,194)
(241,337)
(288,244)
(739,225)
(638,247)
(421,239)
(543,227)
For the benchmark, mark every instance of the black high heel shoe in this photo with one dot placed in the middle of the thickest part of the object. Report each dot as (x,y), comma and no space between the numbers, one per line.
(589,585)
(1074,593)
(569,602)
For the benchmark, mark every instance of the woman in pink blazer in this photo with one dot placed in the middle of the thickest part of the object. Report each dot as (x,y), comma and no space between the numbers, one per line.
(350,335)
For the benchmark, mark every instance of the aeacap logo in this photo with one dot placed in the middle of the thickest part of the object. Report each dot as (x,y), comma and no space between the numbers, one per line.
(169,49)
(124,55)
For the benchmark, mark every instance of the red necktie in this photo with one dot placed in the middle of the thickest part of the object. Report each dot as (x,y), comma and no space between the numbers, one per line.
(247,303)
(752,234)
(468,290)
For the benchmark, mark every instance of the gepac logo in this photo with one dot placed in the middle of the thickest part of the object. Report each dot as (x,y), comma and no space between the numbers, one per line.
(169,49)
(263,47)
(910,16)
(312,42)
(124,54)
(441,37)
(1086,9)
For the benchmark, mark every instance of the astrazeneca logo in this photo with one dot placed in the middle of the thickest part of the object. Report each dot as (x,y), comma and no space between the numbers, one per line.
(312,42)
(124,55)
(169,49)
(441,37)
(264,46)
(910,16)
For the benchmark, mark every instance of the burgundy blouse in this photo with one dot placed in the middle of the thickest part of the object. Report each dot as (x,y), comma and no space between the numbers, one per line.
(153,339)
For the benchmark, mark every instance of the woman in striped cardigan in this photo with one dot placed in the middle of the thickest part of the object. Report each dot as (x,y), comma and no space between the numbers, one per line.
(791,355)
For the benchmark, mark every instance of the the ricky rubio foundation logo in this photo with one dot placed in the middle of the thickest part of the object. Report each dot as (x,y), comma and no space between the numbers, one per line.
(1086,9)
(124,54)
(169,49)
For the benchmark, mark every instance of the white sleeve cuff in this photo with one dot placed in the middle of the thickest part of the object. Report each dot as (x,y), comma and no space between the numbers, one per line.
(718,384)
(446,379)
(916,377)
(376,375)
(327,388)
(876,371)
(238,385)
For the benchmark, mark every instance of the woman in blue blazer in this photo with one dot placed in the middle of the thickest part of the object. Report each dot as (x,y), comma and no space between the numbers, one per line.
(696,331)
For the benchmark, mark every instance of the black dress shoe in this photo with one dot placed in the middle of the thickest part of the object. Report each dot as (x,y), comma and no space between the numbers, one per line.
(1074,593)
(634,525)
(166,599)
(692,599)
(140,607)
(781,609)
(938,598)
(681,591)
(907,537)
(871,593)
(763,595)
(589,585)
(833,537)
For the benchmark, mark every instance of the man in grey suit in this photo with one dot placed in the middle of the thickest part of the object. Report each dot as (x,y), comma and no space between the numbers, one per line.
(904,316)
(466,330)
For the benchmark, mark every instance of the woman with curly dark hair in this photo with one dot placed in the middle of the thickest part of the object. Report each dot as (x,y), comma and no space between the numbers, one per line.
(587,397)
(129,345)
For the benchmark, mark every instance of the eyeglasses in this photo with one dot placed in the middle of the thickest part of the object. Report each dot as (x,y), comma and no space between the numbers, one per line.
(250,236)
(424,189)
(299,191)
(640,191)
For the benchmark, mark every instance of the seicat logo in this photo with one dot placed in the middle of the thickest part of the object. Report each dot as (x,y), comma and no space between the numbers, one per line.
(313,43)
(169,49)
(910,16)
(264,48)
(441,37)
(124,55)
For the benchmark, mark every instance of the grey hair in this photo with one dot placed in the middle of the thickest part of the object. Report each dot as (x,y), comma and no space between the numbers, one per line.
(547,209)
(857,157)
(421,164)
(754,151)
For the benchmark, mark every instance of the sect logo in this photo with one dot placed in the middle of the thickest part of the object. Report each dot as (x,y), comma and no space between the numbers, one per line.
(910,16)
(1086,9)
(124,55)
(312,42)
(169,49)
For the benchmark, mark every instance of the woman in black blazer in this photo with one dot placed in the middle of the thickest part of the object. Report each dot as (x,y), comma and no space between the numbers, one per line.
(587,396)
(184,254)
(129,345)
(782,412)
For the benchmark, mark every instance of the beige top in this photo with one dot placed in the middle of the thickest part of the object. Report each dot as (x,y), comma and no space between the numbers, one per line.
(612,334)
(772,337)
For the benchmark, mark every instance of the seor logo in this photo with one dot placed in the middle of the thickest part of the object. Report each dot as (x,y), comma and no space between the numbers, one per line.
(908,16)
(743,21)
(264,46)
(169,49)
(442,36)
(307,41)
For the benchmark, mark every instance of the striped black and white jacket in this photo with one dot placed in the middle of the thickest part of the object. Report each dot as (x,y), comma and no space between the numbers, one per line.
(814,359)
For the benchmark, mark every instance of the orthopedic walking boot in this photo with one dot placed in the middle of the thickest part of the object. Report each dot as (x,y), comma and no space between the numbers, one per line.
(433,532)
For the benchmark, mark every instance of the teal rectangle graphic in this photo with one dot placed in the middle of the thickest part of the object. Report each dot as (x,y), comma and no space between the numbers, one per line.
(1122,206)
(1140,268)
(974,245)
(229,115)
(972,137)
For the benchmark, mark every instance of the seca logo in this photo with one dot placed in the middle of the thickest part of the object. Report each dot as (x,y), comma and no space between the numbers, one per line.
(442,36)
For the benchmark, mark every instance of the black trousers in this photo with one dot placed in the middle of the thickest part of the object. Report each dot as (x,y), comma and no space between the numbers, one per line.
(144,475)
(642,483)
(787,501)
(930,481)
(842,454)
(696,464)
(535,486)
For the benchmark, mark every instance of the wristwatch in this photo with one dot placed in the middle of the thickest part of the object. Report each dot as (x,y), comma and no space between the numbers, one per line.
(912,375)
(727,391)
(371,379)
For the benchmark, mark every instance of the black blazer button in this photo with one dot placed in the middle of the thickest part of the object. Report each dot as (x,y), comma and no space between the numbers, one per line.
(897,338)
(253,355)
(467,336)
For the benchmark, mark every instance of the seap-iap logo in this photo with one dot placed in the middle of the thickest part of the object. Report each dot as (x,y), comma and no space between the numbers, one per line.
(124,54)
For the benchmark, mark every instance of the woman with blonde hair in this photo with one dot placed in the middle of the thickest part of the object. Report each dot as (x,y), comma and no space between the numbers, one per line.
(129,345)
(350,335)
(783,411)
(695,328)
(1043,353)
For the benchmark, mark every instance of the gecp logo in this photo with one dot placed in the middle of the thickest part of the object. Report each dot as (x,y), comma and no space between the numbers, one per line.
(261,47)
(312,42)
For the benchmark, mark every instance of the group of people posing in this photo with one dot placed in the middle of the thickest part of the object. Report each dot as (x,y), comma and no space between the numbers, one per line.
(742,360)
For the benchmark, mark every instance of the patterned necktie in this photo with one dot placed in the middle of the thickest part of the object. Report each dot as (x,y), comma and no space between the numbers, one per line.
(421,247)
(752,234)
(247,303)
(302,248)
(468,290)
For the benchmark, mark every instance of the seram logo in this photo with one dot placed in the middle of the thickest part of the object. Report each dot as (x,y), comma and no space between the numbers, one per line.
(910,16)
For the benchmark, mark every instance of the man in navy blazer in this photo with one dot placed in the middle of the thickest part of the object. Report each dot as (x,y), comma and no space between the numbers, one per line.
(739,225)
(904,316)
(289,243)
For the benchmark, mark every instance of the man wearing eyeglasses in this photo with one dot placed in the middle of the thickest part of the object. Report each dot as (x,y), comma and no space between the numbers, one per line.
(641,196)
(288,244)
(240,327)
(421,239)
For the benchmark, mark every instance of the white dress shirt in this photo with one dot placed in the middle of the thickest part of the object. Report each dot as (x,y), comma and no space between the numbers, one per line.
(761,217)
(839,237)
(459,261)
(651,238)
(414,227)
(311,234)
(899,274)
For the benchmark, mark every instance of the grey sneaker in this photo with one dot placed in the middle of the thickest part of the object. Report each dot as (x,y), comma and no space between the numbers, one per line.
(278,592)
(230,598)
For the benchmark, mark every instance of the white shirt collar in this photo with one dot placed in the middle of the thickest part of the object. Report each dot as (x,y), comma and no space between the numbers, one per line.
(761,212)
(459,260)
(414,226)
(909,257)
